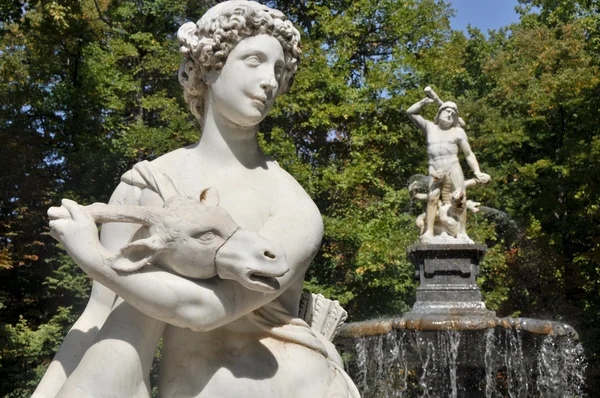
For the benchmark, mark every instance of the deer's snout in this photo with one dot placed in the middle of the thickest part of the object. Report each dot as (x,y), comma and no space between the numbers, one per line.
(252,260)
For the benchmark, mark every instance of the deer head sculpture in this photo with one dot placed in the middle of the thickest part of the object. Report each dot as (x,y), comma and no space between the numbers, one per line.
(186,235)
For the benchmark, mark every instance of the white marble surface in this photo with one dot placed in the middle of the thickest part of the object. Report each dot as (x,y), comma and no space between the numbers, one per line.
(185,236)
(221,337)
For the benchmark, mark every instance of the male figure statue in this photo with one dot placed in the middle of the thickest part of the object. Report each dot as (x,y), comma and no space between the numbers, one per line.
(444,136)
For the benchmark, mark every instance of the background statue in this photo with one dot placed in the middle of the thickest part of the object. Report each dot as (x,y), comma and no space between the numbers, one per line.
(220,339)
(446,215)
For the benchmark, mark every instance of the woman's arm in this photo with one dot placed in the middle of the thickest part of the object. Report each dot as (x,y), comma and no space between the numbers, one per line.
(83,332)
(76,342)
(295,225)
(118,362)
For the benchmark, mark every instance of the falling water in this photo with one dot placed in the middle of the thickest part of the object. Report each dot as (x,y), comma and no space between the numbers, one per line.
(449,363)
(453,342)
(362,366)
(439,371)
(516,375)
(560,368)
(491,367)
(380,355)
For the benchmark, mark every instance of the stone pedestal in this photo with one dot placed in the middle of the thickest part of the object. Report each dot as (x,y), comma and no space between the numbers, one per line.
(448,280)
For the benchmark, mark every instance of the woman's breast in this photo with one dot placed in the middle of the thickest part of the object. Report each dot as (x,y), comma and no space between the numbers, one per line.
(248,201)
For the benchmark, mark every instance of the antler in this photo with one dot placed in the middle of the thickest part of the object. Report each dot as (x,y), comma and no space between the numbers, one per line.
(102,213)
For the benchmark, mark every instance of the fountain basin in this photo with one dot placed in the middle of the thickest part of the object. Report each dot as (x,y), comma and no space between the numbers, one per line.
(439,323)
(451,345)
(463,357)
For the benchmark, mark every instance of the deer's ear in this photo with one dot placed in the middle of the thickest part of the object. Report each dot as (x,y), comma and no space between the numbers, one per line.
(137,254)
(209,197)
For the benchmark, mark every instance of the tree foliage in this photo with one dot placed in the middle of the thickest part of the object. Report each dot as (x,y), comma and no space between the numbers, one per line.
(88,88)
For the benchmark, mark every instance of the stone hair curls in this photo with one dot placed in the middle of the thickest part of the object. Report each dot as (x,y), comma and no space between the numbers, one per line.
(207,43)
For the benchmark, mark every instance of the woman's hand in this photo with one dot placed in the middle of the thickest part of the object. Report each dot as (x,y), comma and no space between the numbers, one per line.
(78,234)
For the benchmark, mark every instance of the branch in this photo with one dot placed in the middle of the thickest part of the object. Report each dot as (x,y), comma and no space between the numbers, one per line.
(100,16)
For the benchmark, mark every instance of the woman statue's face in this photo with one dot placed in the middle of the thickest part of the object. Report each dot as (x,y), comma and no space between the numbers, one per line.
(244,91)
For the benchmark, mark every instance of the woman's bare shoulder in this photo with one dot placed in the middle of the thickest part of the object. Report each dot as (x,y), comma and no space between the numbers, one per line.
(128,193)
(172,160)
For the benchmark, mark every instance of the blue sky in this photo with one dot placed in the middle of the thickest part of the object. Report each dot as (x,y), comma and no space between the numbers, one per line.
(483,14)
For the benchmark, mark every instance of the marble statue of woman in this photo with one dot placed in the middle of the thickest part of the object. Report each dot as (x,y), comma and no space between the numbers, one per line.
(220,339)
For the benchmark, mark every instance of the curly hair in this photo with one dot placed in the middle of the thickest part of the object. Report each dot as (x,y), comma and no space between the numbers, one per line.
(207,43)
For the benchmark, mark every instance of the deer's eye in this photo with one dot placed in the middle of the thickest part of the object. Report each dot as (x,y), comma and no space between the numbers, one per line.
(206,237)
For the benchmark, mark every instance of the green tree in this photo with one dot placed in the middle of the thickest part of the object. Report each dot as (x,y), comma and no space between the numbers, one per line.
(89,87)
